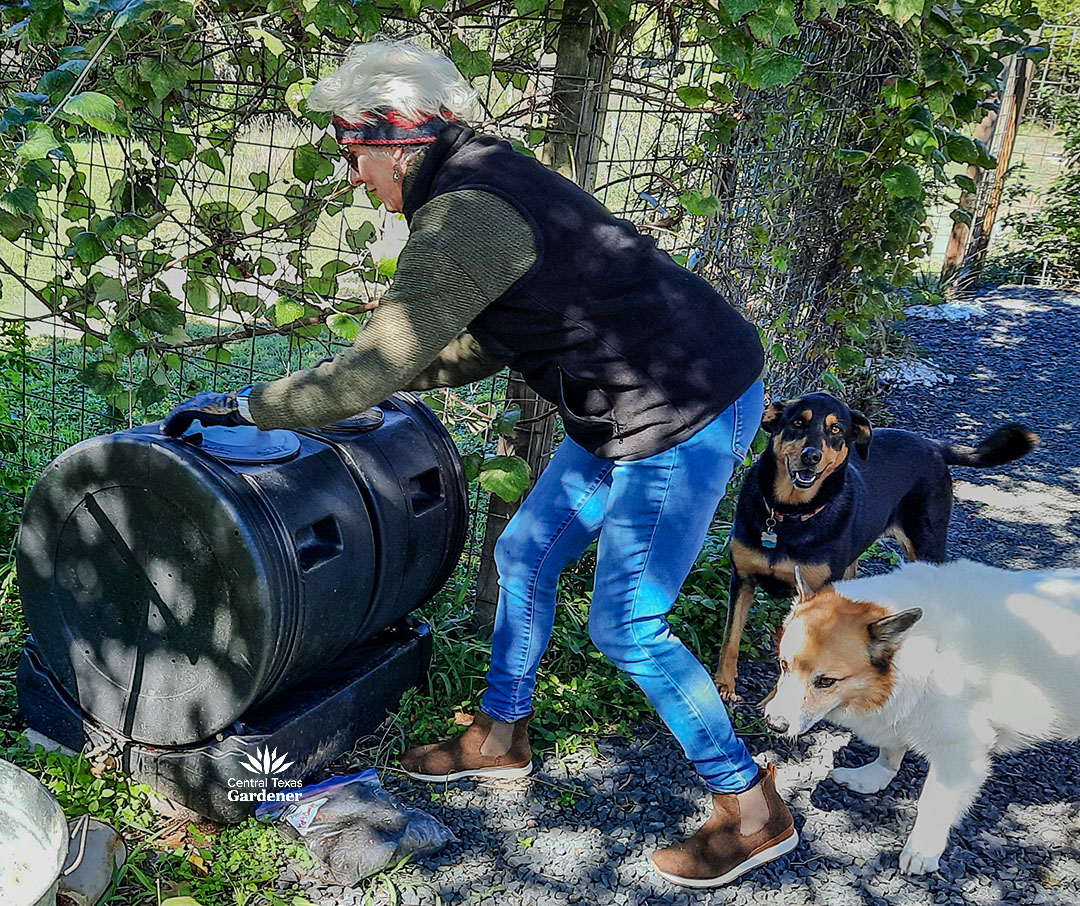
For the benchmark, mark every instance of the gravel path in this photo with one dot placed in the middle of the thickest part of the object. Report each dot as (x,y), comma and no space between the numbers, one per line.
(582,828)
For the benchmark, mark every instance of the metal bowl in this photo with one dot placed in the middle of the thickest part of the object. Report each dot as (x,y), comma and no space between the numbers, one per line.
(33,840)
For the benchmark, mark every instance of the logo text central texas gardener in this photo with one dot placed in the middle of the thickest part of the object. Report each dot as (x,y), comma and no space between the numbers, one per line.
(263,785)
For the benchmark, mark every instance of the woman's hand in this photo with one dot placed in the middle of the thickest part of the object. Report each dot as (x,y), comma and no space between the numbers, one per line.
(209,409)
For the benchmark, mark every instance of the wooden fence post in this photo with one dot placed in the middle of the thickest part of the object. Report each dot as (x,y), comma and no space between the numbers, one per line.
(1009,121)
(956,250)
(575,123)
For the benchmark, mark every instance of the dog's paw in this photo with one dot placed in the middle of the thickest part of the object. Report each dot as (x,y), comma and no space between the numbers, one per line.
(871,778)
(913,862)
(726,687)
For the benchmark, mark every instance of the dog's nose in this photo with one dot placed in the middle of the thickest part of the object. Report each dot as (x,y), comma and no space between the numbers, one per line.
(811,456)
(777,723)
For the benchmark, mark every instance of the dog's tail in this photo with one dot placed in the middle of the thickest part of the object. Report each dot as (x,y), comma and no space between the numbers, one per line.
(1007,443)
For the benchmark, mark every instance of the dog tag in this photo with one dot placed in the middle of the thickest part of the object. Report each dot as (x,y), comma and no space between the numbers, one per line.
(768,540)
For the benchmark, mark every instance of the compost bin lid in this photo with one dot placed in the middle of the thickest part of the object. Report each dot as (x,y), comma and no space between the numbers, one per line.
(368,420)
(244,444)
(149,590)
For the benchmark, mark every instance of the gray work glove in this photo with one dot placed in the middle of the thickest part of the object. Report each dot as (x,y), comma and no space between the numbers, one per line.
(208,408)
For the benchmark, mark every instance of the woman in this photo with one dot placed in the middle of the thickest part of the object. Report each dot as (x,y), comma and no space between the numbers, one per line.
(655,376)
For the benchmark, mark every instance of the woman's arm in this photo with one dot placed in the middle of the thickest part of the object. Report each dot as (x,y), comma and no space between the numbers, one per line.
(461,362)
(465,250)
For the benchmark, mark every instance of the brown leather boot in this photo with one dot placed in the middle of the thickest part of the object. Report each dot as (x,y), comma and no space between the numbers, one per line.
(746,830)
(488,749)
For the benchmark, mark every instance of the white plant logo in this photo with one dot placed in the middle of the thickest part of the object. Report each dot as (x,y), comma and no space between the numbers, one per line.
(264,762)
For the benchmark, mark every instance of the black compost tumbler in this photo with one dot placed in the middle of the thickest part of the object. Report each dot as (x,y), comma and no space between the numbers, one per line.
(172,586)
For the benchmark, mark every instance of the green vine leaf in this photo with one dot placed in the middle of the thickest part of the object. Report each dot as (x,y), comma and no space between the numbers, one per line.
(921,141)
(739,8)
(505,476)
(211,158)
(94,109)
(774,21)
(692,95)
(961,148)
(471,463)
(296,95)
(48,24)
(901,10)
(902,181)
(771,68)
(164,76)
(198,296)
(88,247)
(100,377)
(40,140)
(344,326)
(614,13)
(848,357)
(470,63)
(309,165)
(851,156)
(123,341)
(286,311)
(700,203)
(178,147)
(505,424)
(271,42)
(966,183)
(831,381)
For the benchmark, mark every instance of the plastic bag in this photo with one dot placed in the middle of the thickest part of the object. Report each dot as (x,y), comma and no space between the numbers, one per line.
(355,827)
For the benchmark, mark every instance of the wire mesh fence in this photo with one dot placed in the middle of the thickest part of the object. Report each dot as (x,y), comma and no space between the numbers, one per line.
(1036,158)
(257,242)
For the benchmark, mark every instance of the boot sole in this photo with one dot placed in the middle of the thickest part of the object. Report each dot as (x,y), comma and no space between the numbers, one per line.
(510,773)
(756,860)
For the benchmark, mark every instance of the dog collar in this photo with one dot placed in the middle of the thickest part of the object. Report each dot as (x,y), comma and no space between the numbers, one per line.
(768,537)
(391,127)
(776,516)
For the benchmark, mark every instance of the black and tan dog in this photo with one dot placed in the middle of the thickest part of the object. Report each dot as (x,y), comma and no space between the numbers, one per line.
(809,502)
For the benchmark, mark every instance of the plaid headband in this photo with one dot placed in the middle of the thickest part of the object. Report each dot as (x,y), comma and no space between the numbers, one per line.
(391,128)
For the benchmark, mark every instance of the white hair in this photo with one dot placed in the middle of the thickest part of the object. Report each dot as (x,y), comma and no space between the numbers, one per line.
(393,75)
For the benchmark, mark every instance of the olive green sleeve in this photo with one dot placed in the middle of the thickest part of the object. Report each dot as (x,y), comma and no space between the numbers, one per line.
(461,362)
(465,250)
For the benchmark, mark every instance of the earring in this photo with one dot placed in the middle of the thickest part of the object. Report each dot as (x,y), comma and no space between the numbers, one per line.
(397,175)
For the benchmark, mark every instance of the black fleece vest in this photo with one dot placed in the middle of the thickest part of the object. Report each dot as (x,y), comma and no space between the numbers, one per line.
(636,351)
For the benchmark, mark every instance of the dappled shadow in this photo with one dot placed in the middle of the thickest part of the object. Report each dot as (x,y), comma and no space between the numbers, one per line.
(182,591)
(1019,363)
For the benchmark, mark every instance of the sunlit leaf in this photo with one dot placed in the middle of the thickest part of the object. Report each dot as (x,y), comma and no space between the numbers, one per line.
(505,476)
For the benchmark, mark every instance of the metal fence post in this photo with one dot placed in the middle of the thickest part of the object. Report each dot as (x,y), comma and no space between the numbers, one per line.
(575,122)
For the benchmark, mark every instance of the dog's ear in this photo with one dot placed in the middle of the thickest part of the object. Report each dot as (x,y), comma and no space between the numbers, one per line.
(803,592)
(863,432)
(887,633)
(771,416)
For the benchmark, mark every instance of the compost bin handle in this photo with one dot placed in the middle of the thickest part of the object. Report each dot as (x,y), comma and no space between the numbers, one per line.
(82,826)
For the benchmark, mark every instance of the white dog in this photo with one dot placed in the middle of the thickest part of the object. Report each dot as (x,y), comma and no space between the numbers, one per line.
(954,662)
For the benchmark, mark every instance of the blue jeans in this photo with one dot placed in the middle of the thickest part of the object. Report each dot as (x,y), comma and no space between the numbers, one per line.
(651,516)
